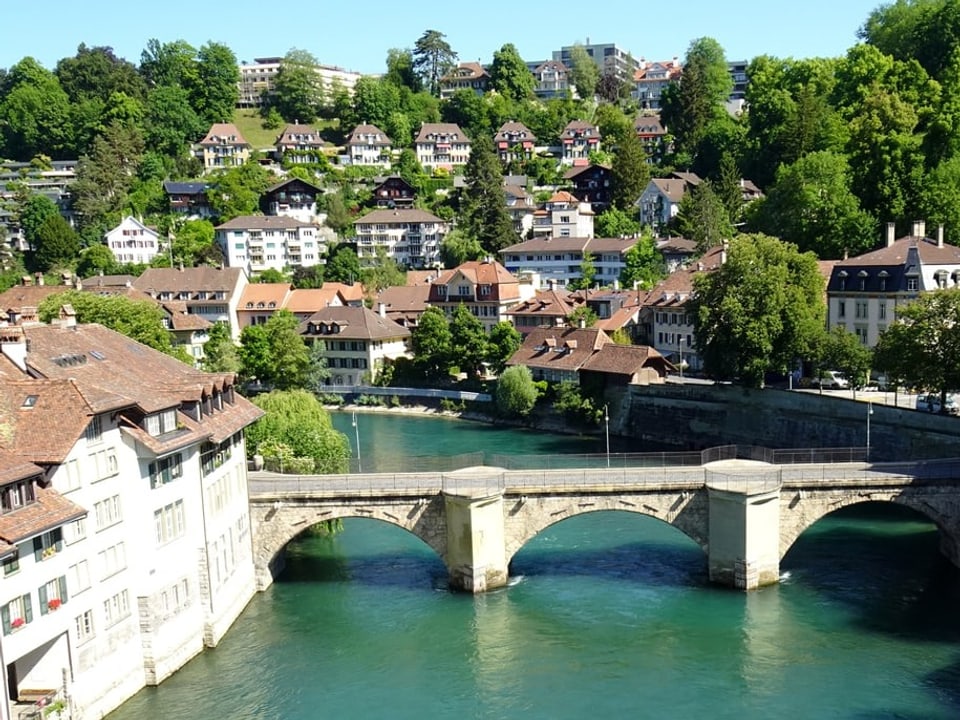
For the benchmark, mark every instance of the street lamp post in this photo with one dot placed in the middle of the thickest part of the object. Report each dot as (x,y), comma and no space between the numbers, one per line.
(869,413)
(356,432)
(606,421)
(681,357)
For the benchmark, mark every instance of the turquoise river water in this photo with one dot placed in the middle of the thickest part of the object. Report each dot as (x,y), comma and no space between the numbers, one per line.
(608,615)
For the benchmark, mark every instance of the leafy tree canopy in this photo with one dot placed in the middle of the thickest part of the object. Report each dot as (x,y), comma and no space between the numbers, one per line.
(516,393)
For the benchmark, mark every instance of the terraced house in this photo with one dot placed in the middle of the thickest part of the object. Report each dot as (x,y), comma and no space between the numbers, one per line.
(124,525)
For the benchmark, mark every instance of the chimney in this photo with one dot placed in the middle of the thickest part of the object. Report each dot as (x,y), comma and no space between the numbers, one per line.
(940,235)
(891,234)
(382,309)
(919,228)
(68,316)
(582,324)
(723,252)
(13,344)
(39,277)
(181,267)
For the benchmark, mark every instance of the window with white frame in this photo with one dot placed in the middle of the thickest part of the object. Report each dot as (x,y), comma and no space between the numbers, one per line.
(116,608)
(83,627)
(69,475)
(16,613)
(169,522)
(107,512)
(162,422)
(75,531)
(78,576)
(94,432)
(112,560)
(104,463)
(52,595)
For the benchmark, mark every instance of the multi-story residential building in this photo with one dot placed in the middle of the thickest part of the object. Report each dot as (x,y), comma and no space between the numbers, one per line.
(591,184)
(578,139)
(190,332)
(188,199)
(552,79)
(608,56)
(563,215)
(864,292)
(133,242)
(393,191)
(257,242)
(466,76)
(651,79)
(652,134)
(514,141)
(411,237)
(547,308)
(300,144)
(222,147)
(357,342)
(442,145)
(212,293)
(660,201)
(368,145)
(125,523)
(559,259)
(292,198)
(257,79)
(556,354)
(738,73)
(261,301)
(484,286)
(520,207)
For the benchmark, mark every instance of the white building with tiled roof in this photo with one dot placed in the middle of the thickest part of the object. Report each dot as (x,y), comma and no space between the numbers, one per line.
(133,242)
(368,145)
(357,342)
(299,143)
(212,293)
(559,259)
(563,215)
(441,145)
(578,139)
(514,141)
(258,242)
(864,292)
(486,287)
(659,202)
(466,76)
(411,237)
(222,147)
(125,530)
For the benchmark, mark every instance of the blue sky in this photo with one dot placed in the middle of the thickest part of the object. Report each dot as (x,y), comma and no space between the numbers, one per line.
(357,36)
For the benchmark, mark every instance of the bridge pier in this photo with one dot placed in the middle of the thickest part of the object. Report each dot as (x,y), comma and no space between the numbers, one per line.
(476,550)
(744,529)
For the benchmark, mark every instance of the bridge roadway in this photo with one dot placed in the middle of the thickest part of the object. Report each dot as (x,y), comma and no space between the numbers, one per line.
(744,514)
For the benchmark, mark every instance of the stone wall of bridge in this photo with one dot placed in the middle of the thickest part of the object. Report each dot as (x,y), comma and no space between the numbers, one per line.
(694,416)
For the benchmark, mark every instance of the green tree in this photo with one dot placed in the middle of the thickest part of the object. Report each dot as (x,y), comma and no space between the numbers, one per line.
(643,264)
(588,272)
(584,73)
(194,244)
(502,342)
(343,265)
(296,418)
(583,314)
(630,172)
(271,275)
(468,341)
(217,87)
(237,190)
(516,394)
(431,342)
(298,89)
(97,73)
(140,320)
(57,244)
(922,348)
(759,311)
(96,259)
(338,218)
(484,206)
(106,176)
(510,76)
(432,59)
(703,218)
(940,198)
(458,247)
(614,223)
(33,212)
(318,372)
(811,206)
(842,350)
(307,277)
(275,352)
(400,69)
(383,272)
(170,124)
(34,113)
(173,64)
(468,111)
(220,352)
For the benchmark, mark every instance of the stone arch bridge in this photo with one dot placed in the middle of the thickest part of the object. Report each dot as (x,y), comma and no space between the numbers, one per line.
(744,513)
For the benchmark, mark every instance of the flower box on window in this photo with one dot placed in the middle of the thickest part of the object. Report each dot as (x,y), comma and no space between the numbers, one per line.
(17,623)
(54,603)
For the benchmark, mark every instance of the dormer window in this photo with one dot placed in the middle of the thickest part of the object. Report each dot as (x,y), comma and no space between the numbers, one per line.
(161,423)
(17,494)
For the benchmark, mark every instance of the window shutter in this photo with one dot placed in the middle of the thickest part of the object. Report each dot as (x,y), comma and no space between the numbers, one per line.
(42,595)
(63,588)
(27,609)
(38,549)
(5,619)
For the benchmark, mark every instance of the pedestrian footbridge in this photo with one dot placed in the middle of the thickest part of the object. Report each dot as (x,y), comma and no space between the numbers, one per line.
(744,506)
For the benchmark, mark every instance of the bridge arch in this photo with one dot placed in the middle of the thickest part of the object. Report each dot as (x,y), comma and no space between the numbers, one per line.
(525,518)
(278,522)
(801,510)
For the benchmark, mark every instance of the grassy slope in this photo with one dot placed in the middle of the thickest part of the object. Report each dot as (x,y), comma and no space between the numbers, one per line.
(248,123)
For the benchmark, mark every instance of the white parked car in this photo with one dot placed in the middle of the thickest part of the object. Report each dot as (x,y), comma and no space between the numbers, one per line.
(833,379)
(930,402)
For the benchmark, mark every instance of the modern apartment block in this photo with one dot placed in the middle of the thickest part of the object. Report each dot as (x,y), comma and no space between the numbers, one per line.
(124,525)
(259,77)
(258,242)
(609,57)
(411,237)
